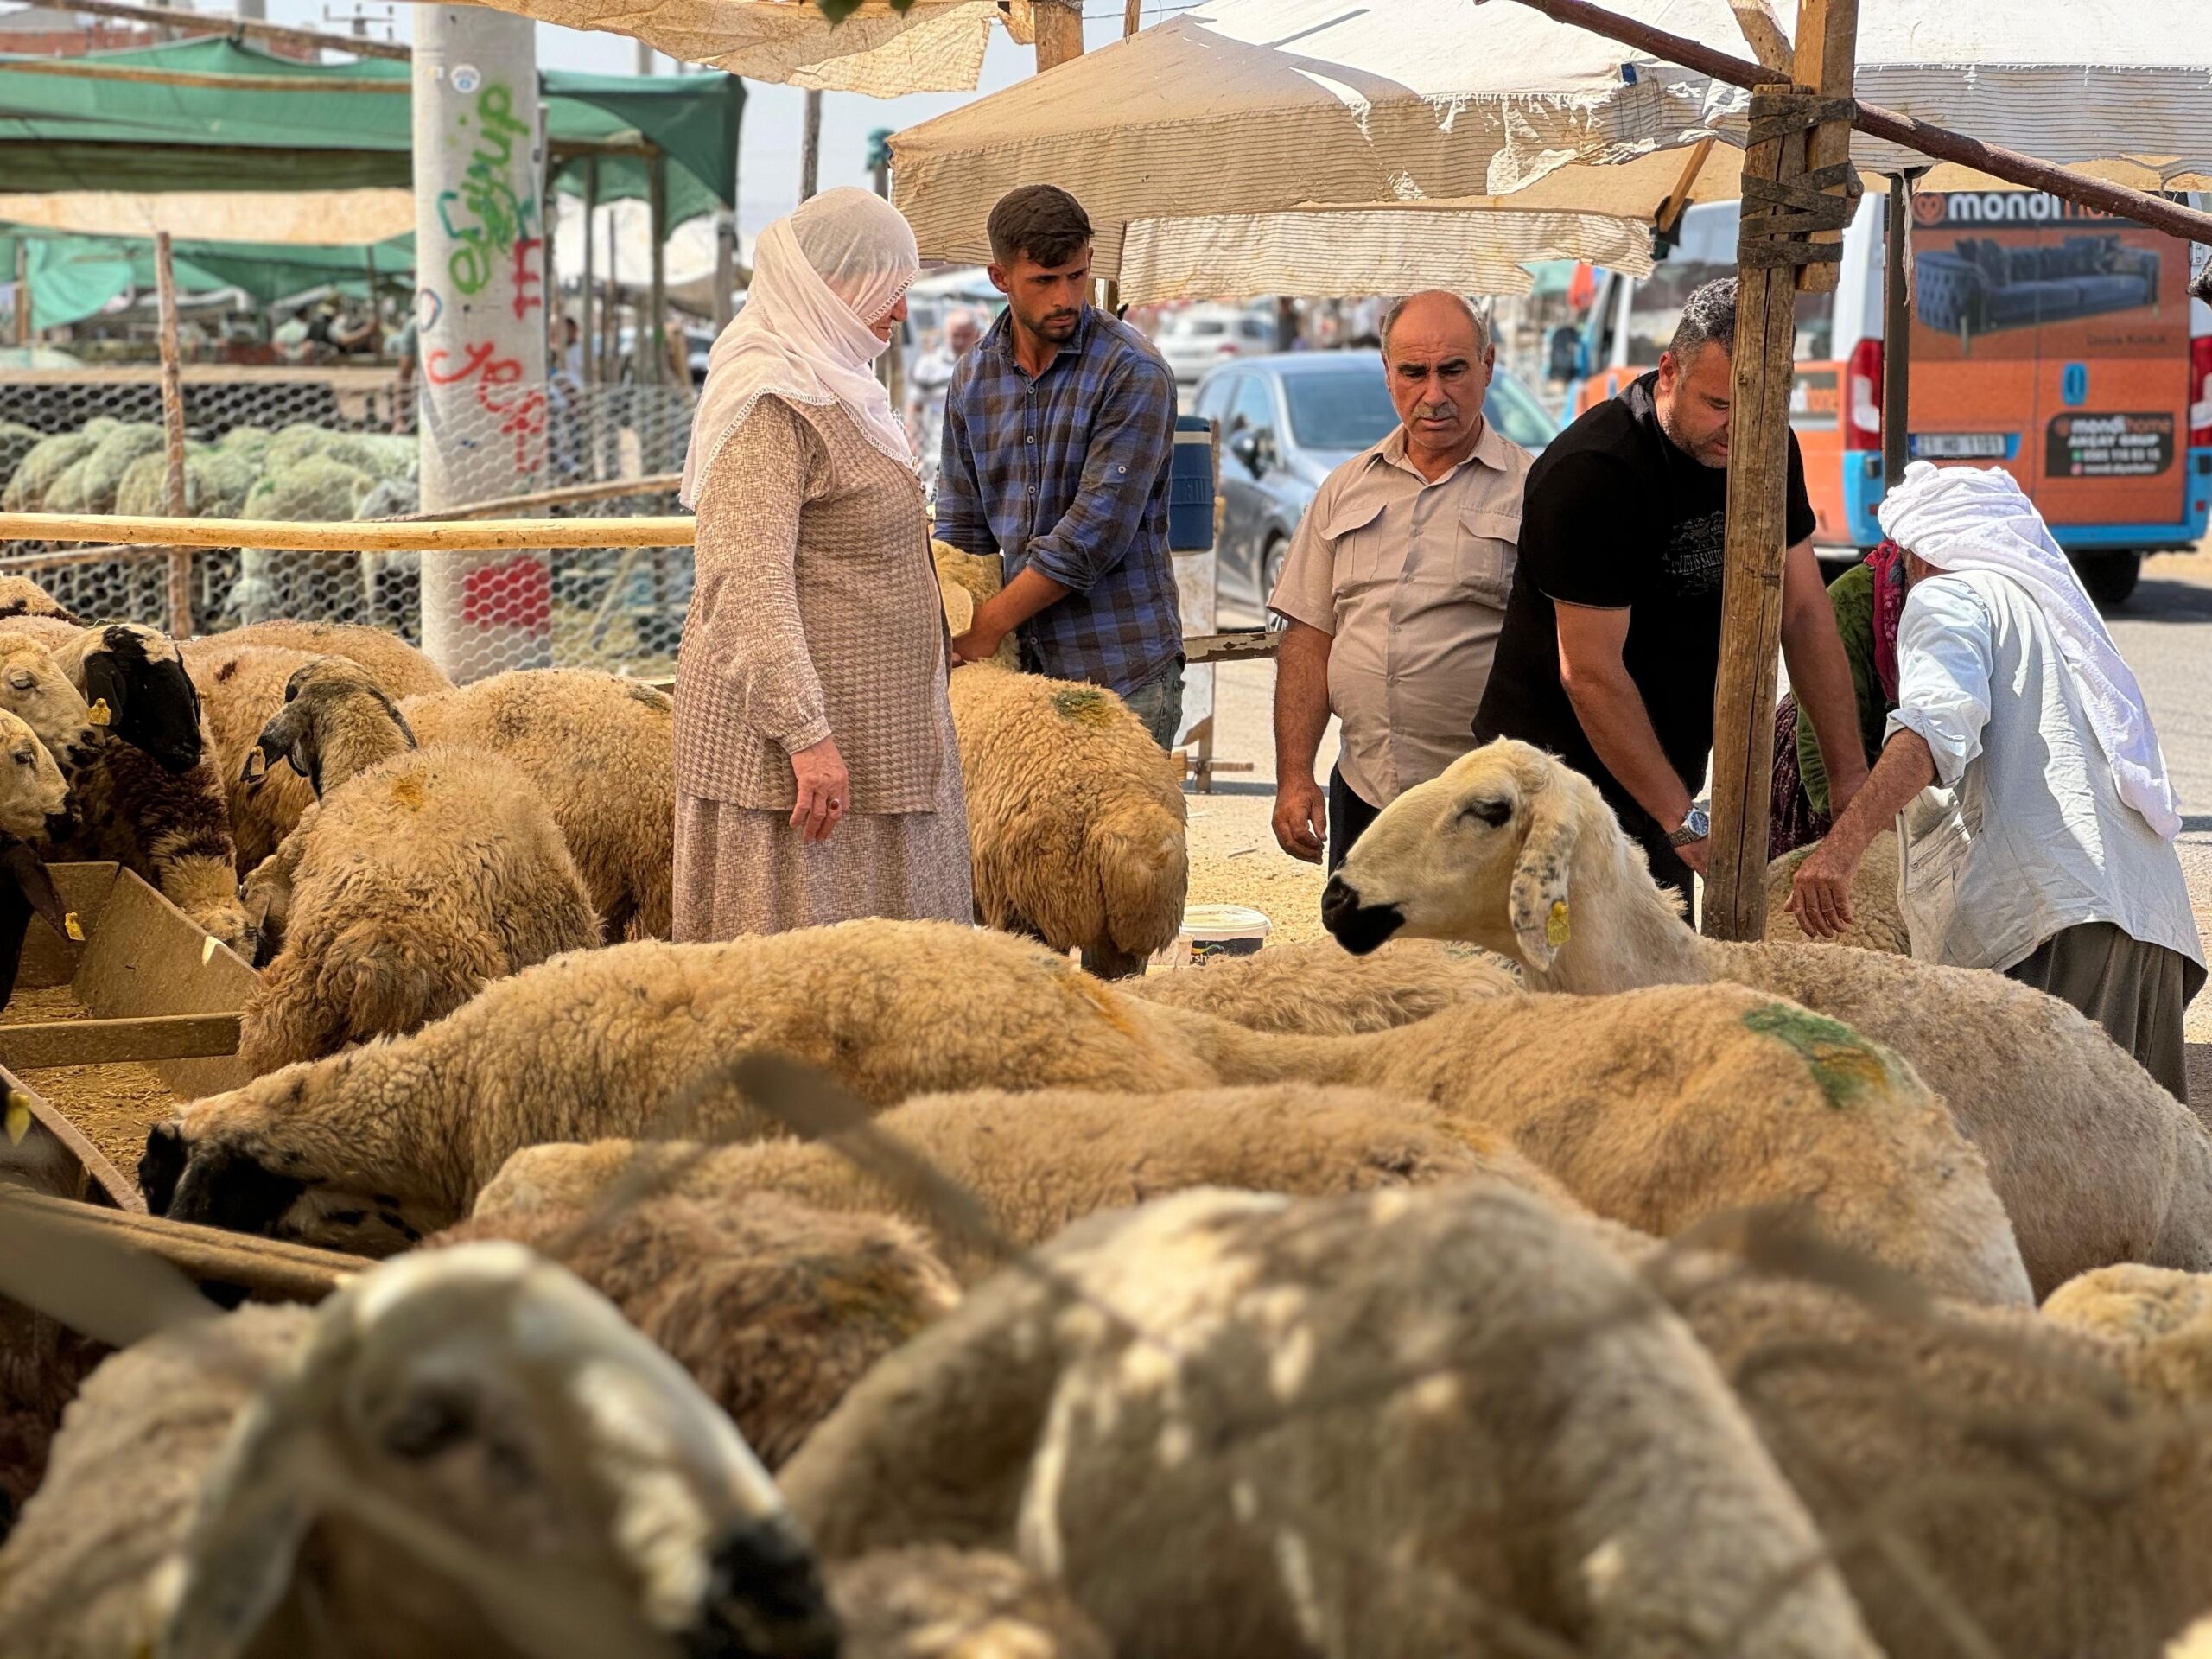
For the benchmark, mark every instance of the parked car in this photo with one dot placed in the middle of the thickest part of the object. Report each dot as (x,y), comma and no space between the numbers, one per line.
(1289,420)
(1199,337)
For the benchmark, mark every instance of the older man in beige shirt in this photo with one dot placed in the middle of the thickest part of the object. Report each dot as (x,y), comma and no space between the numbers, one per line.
(1394,589)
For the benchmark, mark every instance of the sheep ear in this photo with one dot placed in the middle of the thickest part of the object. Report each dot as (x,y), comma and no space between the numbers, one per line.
(1540,875)
(239,1559)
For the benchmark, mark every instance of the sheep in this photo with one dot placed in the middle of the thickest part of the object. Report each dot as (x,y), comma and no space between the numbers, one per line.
(1386,1424)
(2041,1482)
(1318,988)
(775,1308)
(1876,923)
(423,876)
(1075,817)
(1036,1162)
(1654,1110)
(932,1603)
(464,1452)
(242,688)
(966,581)
(602,749)
(34,688)
(401,669)
(2096,1162)
(34,804)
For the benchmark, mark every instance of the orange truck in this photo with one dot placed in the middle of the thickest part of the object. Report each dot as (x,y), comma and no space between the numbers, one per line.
(2058,343)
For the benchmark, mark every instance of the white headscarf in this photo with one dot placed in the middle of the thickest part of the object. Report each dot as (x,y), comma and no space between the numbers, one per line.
(1964,518)
(821,278)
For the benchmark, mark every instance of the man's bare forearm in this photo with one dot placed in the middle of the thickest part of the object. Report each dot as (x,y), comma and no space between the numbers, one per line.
(1301,699)
(1020,600)
(1618,726)
(1907,766)
(1820,675)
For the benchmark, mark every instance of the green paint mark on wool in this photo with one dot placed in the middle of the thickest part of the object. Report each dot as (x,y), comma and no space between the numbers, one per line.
(1843,1062)
(1084,704)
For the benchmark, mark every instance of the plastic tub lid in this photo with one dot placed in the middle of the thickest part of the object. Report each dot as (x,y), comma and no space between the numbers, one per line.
(1223,922)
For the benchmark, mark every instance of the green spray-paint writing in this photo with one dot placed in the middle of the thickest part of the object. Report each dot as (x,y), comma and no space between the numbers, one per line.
(497,214)
(1843,1062)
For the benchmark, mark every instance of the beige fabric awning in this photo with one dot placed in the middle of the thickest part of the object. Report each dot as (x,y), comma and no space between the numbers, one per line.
(934,46)
(1375,137)
(332,218)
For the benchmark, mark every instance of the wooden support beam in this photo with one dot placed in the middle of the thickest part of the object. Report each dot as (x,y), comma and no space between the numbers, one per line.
(1678,199)
(179,559)
(263,1267)
(1750,601)
(1828,46)
(104,1042)
(78,69)
(1763,34)
(1897,335)
(201,22)
(372,537)
(1941,142)
(1132,18)
(1059,33)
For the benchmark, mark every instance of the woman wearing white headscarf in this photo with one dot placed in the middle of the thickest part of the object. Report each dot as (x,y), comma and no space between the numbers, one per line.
(2057,866)
(816,772)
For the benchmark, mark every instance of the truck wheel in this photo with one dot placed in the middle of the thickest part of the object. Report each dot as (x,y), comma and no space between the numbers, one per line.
(2110,577)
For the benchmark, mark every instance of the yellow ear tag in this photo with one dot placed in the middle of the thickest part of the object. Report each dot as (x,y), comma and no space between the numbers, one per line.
(98,713)
(74,928)
(1555,928)
(207,949)
(19,1117)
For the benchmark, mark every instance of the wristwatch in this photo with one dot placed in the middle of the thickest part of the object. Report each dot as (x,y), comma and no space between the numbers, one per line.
(1696,827)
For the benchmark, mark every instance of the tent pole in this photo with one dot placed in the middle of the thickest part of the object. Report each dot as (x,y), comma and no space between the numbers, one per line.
(810,146)
(180,558)
(1132,18)
(610,341)
(1897,335)
(1757,538)
(1059,32)
(657,284)
(23,292)
(590,337)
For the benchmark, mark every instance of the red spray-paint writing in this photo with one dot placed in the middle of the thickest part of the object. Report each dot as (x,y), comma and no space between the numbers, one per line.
(521,414)
(517,594)
(526,277)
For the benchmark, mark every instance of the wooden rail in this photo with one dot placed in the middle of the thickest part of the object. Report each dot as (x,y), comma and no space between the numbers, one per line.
(348,536)
(263,1266)
(103,1042)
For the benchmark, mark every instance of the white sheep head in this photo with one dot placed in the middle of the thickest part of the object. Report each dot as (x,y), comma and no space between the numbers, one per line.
(35,798)
(479,1421)
(1485,853)
(34,688)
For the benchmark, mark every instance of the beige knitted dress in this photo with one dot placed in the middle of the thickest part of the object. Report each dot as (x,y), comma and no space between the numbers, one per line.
(816,615)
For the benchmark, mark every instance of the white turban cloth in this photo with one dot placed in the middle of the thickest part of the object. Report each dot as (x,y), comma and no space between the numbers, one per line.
(1964,518)
(822,279)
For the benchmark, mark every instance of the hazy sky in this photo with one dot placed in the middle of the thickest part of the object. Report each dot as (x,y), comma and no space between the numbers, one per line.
(768,172)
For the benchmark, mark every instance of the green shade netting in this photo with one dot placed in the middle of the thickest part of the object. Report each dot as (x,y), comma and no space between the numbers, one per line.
(73,276)
(63,132)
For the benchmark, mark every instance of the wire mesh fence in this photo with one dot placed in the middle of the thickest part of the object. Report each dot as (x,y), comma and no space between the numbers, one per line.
(324,450)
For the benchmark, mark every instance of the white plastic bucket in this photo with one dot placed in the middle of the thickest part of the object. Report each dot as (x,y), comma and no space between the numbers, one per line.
(1214,931)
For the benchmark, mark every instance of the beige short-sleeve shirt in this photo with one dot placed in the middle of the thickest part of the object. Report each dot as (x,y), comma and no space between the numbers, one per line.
(1410,578)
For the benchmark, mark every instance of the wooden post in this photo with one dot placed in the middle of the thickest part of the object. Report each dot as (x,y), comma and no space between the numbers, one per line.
(810,145)
(180,558)
(1750,624)
(656,278)
(23,292)
(1132,18)
(1827,38)
(1896,336)
(1059,33)
(587,335)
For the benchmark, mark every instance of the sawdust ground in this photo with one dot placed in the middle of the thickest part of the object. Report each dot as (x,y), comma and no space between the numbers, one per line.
(113,1105)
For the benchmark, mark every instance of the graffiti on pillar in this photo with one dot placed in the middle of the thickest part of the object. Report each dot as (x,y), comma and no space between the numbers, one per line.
(496,383)
(488,215)
(528,290)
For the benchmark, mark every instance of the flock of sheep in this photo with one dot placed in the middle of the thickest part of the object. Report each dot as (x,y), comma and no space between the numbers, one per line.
(1601,1291)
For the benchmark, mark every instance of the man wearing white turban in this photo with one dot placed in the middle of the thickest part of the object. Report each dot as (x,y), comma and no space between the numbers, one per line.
(2011,693)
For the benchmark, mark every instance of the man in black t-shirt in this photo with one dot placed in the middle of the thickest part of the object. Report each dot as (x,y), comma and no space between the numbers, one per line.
(1611,642)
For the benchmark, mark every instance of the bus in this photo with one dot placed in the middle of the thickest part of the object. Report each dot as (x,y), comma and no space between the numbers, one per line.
(2053,341)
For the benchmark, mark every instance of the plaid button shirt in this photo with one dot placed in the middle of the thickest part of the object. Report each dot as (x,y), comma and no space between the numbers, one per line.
(1069,473)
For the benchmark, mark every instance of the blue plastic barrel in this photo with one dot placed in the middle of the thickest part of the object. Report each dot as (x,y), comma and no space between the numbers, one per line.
(1189,488)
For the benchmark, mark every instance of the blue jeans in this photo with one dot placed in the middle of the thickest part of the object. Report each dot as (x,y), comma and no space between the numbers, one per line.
(1158,702)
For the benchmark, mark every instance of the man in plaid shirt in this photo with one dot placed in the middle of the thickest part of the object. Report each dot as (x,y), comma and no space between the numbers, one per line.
(1058,432)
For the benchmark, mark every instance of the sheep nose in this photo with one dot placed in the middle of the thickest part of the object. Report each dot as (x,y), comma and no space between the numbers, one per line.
(1359,928)
(763,1597)
(59,826)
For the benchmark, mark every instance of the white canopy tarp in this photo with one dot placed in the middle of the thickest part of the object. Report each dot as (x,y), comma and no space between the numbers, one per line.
(1383,136)
(336,219)
(934,46)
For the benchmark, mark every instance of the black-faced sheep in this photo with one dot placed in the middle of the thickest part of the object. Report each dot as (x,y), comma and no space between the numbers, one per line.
(776,1308)
(1075,817)
(601,749)
(242,690)
(1035,1162)
(2095,1162)
(422,876)
(1317,989)
(463,1452)
(1391,1425)
(1656,1109)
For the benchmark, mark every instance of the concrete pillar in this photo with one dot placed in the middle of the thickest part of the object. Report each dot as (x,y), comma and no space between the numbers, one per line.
(480,239)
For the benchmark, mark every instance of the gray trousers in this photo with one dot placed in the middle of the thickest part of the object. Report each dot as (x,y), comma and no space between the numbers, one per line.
(1159,703)
(2135,991)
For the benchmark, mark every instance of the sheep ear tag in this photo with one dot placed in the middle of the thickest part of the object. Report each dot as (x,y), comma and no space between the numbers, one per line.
(1555,927)
(74,928)
(18,1117)
(98,713)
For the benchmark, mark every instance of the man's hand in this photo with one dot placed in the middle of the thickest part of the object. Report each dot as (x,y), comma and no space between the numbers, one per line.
(1696,853)
(979,644)
(1301,820)
(1820,897)
(824,792)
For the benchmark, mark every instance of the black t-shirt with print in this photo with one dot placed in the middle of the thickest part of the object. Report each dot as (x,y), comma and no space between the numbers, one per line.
(1615,516)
